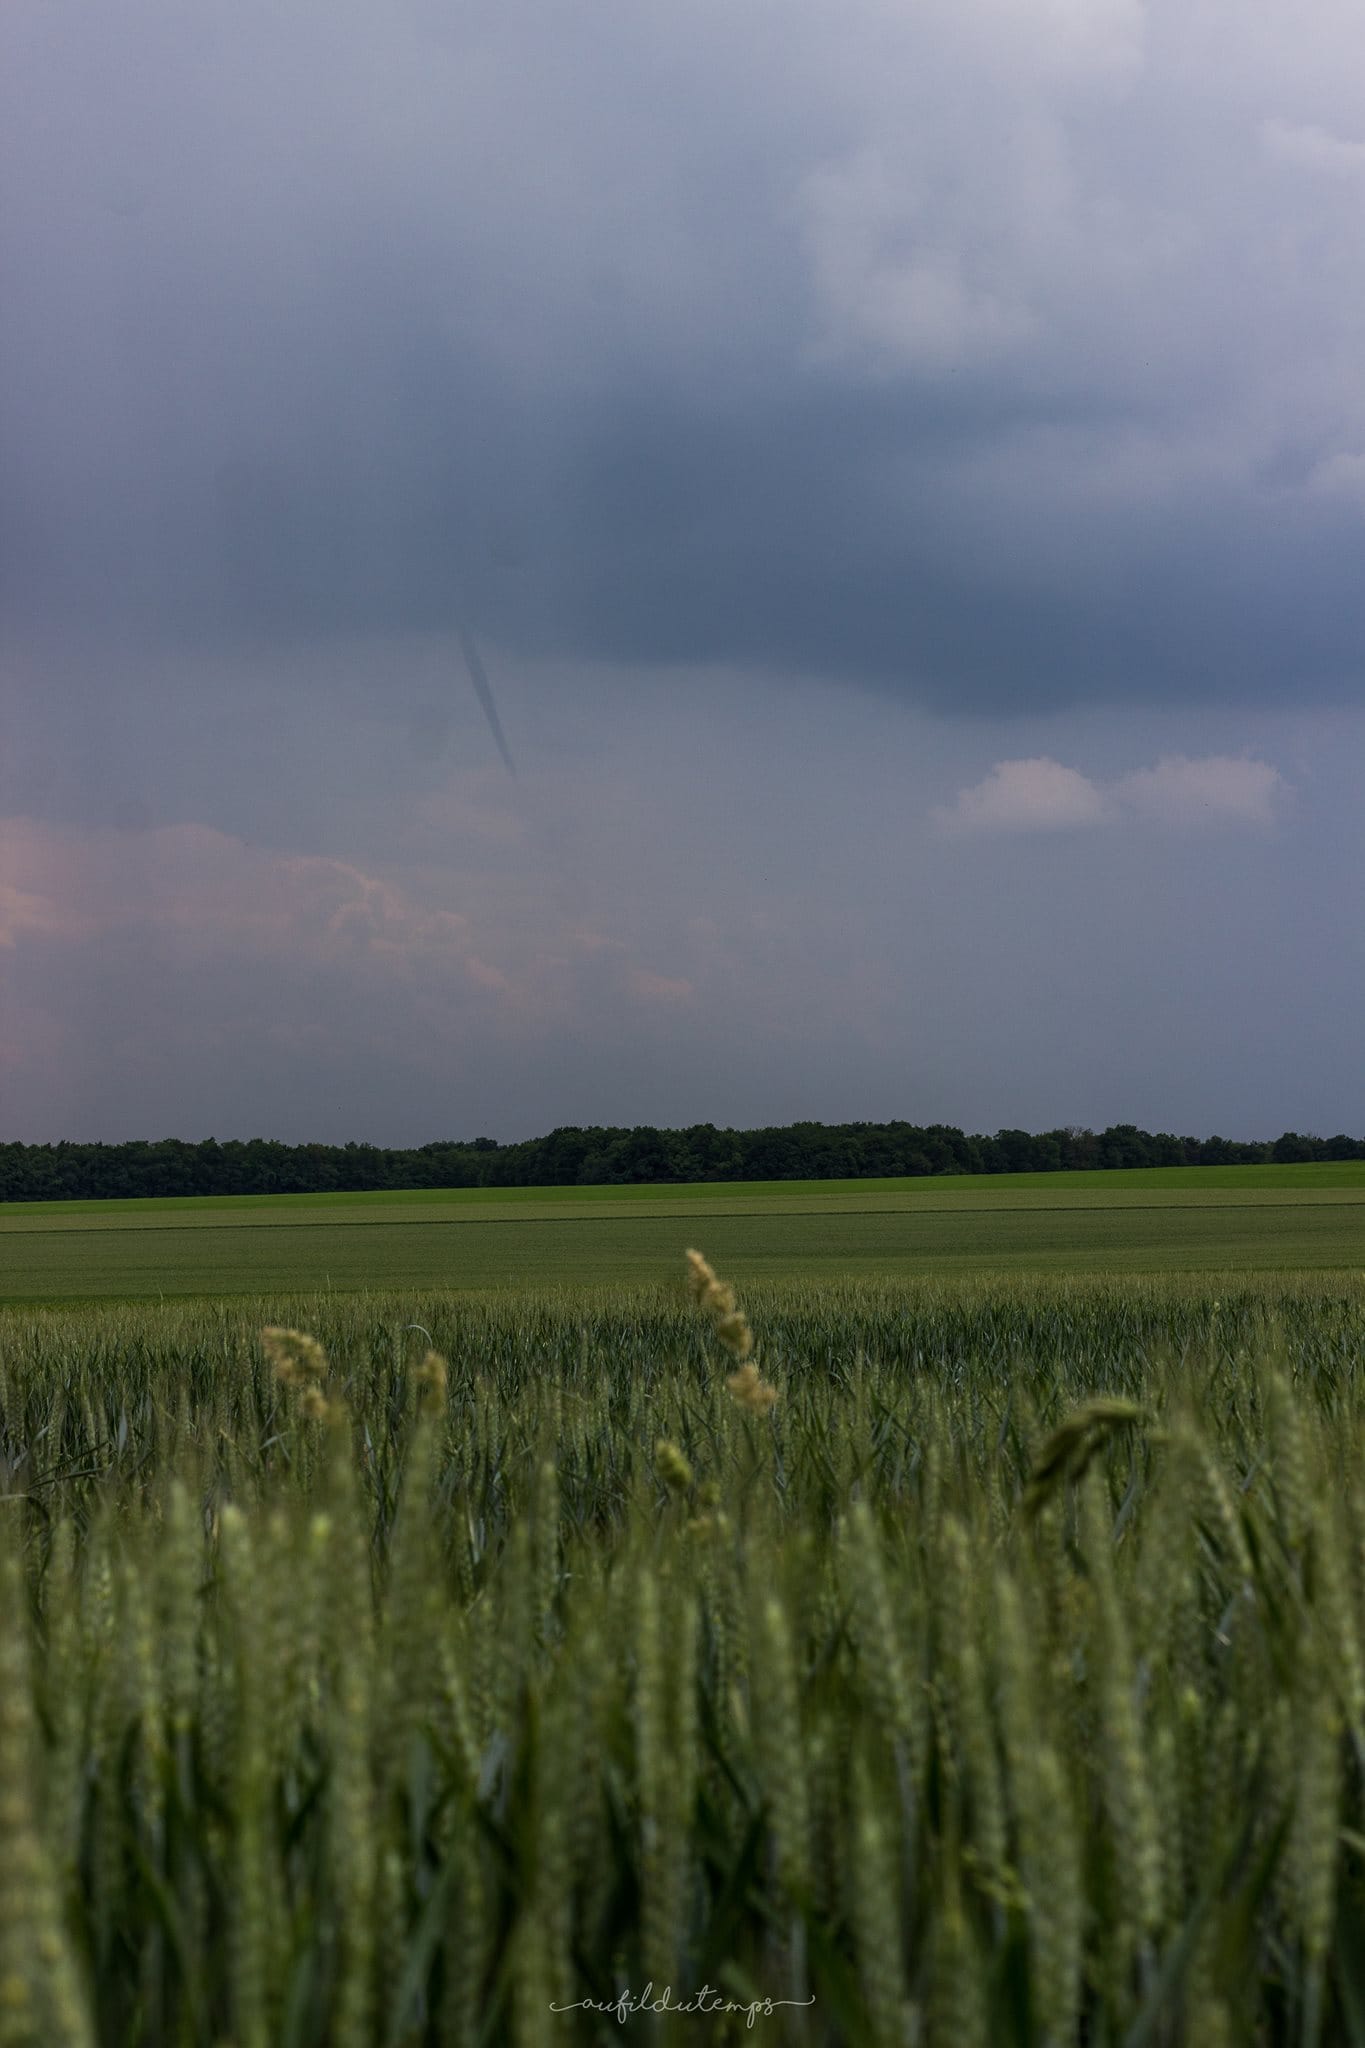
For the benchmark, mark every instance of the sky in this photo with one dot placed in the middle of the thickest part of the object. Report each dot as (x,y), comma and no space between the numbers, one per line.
(896,474)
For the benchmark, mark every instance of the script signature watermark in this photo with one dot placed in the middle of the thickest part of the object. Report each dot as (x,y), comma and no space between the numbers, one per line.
(707,2003)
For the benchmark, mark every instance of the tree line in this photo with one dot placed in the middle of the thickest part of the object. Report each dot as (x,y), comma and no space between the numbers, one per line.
(599,1156)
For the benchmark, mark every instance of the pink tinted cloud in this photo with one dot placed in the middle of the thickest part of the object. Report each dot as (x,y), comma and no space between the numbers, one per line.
(212,892)
(22,910)
(484,976)
(42,893)
(658,988)
(585,940)
(205,900)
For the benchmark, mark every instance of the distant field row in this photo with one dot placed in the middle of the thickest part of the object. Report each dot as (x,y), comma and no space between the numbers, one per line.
(1234,1219)
(1155,1185)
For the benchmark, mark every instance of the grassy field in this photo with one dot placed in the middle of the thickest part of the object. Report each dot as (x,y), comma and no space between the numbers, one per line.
(1211,1219)
(978,1666)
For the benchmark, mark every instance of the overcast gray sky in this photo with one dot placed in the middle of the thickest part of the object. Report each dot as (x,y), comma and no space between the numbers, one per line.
(902,469)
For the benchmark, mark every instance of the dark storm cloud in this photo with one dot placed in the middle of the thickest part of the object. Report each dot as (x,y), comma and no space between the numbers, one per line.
(1006,358)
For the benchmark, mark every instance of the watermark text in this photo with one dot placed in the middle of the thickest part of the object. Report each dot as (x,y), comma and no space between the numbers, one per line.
(706,2003)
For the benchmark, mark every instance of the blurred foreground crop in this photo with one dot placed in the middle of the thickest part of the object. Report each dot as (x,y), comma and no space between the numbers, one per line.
(998,1676)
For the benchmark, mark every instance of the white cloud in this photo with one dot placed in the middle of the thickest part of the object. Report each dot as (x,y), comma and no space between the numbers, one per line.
(1043,795)
(22,911)
(1220,789)
(1040,795)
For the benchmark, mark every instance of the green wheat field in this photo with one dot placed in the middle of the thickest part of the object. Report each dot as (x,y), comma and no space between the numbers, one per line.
(456,1620)
(1190,1219)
